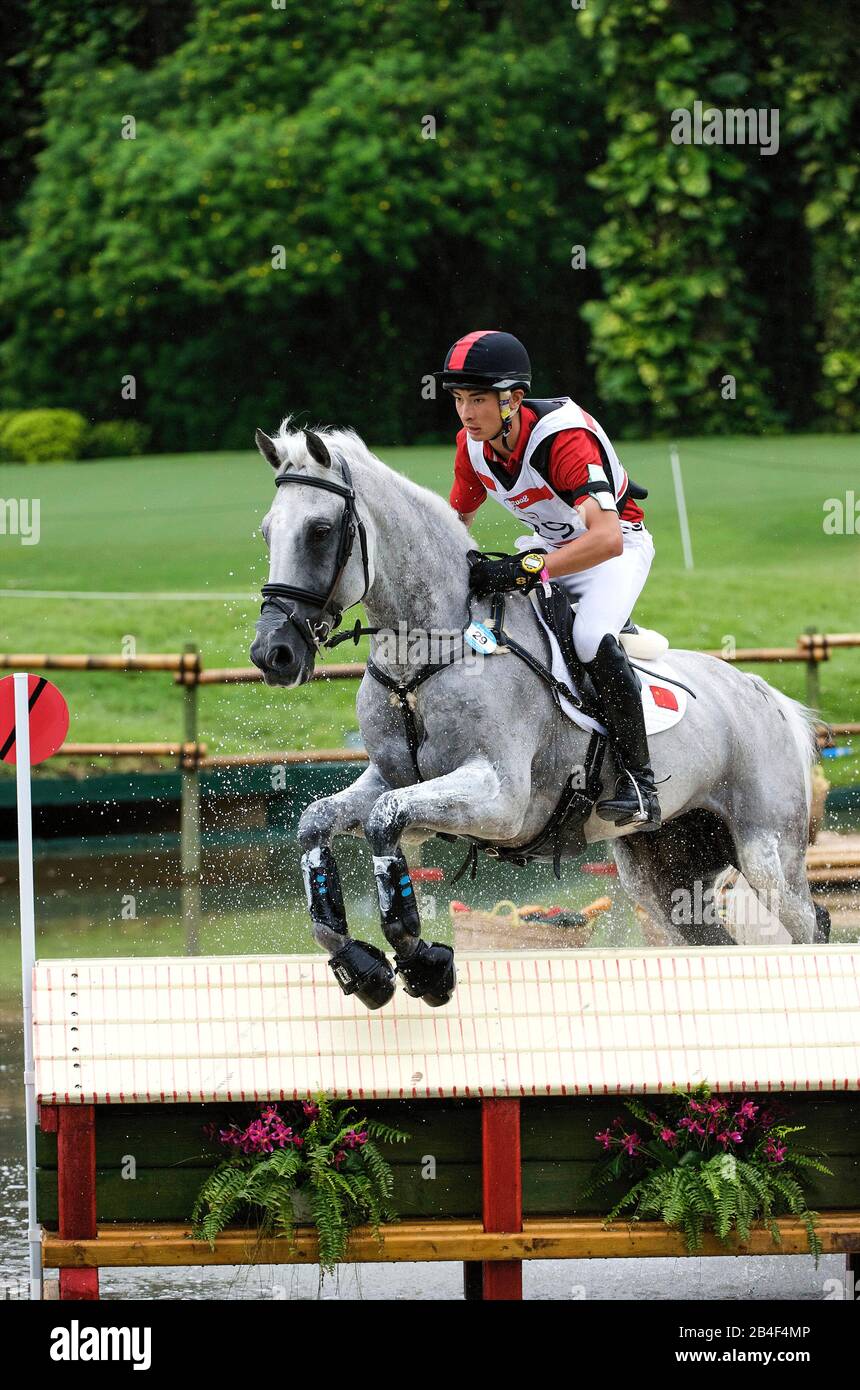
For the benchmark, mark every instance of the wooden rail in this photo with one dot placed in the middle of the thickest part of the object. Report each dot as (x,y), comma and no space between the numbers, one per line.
(829,639)
(765,654)
(188,662)
(251,675)
(561,1238)
(289,757)
(131,750)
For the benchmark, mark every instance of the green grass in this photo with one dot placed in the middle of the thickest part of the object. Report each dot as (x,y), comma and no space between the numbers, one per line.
(764,570)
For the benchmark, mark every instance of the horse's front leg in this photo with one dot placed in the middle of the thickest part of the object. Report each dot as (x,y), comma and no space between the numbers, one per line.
(474,800)
(358,967)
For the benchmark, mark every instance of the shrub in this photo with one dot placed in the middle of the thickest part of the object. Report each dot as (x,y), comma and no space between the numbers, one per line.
(325,1159)
(116,439)
(44,436)
(6,417)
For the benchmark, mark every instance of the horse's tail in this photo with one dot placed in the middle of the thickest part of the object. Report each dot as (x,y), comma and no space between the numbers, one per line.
(802,722)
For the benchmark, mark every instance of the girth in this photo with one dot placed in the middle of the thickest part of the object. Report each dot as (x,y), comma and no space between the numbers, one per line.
(574,804)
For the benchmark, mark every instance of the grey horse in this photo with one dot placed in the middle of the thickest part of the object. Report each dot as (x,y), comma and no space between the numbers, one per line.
(490,747)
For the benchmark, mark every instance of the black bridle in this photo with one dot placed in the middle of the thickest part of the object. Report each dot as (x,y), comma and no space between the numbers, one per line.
(314,633)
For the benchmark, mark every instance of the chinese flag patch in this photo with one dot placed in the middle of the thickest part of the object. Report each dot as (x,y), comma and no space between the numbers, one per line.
(663,697)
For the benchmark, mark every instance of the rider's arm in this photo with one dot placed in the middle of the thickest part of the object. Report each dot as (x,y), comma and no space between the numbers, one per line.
(468,491)
(601,541)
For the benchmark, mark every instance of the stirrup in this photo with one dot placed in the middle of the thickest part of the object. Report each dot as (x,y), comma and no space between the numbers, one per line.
(645,811)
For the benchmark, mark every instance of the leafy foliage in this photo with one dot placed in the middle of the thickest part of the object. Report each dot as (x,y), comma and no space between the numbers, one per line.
(42,436)
(333,1161)
(711,1164)
(116,439)
(258,128)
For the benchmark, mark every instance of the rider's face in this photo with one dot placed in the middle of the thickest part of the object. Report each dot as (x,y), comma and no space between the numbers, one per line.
(479,411)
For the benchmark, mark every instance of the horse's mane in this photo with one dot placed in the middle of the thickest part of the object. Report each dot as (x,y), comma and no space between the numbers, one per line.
(292,449)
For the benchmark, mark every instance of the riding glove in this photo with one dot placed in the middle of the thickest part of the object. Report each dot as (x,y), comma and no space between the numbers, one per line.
(512,572)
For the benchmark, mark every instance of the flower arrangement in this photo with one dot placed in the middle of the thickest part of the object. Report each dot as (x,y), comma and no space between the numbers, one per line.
(712,1161)
(315,1162)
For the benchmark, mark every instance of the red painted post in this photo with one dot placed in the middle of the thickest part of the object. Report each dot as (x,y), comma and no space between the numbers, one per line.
(76,1188)
(503,1191)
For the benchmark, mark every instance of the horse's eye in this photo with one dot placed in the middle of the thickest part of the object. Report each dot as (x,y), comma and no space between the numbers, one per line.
(320,531)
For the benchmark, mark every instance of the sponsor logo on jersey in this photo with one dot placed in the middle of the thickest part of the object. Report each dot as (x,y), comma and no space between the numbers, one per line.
(532,495)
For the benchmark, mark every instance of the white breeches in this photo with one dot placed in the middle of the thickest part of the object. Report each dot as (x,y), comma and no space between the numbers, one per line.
(607,592)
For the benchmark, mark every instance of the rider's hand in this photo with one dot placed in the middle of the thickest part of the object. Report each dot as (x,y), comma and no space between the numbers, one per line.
(523,572)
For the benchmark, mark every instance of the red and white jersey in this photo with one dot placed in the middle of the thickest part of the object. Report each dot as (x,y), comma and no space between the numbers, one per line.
(529,493)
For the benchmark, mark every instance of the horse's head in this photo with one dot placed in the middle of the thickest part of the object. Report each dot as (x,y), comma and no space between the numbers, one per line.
(318,560)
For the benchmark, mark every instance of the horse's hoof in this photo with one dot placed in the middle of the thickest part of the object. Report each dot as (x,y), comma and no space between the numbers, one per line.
(362,969)
(429,973)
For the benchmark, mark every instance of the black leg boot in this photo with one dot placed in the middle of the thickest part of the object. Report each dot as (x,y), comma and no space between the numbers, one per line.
(635,800)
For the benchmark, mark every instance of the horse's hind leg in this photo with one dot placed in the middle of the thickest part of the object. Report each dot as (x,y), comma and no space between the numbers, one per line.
(775,868)
(359,967)
(672,871)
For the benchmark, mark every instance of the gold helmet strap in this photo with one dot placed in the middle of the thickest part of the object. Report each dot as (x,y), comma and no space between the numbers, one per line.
(506,413)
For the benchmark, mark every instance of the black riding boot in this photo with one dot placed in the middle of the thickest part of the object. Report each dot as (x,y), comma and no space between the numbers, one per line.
(635,800)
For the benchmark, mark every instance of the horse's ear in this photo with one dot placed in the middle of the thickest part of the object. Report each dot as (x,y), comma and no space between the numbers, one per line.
(317,449)
(267,449)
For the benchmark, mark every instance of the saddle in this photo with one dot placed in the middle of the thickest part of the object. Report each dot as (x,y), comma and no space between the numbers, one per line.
(559,614)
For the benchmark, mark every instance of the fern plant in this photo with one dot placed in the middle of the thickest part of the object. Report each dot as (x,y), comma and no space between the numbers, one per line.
(709,1163)
(325,1153)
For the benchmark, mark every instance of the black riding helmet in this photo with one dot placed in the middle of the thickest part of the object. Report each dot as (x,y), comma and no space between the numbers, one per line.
(487,358)
(490,359)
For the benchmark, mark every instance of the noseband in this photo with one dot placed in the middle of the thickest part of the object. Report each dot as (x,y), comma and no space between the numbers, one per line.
(313,634)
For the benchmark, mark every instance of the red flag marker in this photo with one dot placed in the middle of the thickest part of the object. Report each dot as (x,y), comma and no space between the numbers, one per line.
(49,719)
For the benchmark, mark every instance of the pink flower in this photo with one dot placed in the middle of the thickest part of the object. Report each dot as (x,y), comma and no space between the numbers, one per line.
(776,1151)
(729,1137)
(605,1138)
(630,1142)
(669,1137)
(714,1107)
(310,1109)
(692,1126)
(747,1110)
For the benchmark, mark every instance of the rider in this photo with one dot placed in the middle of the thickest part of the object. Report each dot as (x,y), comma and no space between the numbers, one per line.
(553,466)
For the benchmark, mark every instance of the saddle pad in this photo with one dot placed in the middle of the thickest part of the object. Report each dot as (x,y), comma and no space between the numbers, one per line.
(663,704)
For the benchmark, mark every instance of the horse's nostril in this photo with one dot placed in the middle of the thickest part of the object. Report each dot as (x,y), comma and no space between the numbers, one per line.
(280,656)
